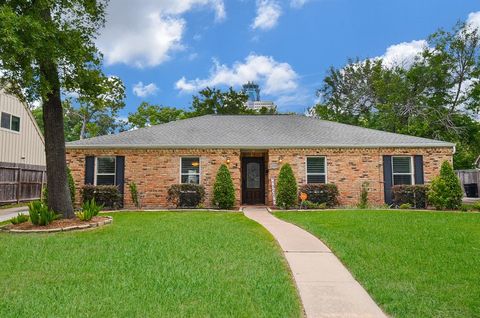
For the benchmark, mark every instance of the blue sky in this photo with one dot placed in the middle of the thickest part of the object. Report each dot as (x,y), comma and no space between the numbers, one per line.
(165,51)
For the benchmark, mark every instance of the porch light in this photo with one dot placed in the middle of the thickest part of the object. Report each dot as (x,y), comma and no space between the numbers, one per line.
(228,160)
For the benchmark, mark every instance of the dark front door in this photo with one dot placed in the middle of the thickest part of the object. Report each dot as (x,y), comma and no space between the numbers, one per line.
(253,180)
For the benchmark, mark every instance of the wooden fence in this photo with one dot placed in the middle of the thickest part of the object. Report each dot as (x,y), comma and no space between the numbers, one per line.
(20,182)
(470,180)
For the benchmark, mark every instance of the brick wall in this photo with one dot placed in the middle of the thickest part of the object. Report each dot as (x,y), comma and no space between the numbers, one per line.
(155,170)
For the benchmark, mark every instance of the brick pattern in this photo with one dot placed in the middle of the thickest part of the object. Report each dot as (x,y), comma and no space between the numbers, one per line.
(154,170)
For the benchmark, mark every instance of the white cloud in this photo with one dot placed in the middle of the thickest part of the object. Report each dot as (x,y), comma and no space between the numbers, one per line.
(298,3)
(274,77)
(268,13)
(403,54)
(147,32)
(144,90)
(473,19)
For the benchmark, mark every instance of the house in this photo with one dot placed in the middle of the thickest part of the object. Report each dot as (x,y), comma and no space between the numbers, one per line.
(22,155)
(254,147)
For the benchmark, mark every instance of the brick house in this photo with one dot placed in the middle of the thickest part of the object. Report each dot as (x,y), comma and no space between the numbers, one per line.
(254,147)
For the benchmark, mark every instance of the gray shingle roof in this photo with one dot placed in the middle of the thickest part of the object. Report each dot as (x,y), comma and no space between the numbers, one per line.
(254,132)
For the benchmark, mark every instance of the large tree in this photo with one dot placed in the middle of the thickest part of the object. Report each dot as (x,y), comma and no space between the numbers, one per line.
(434,96)
(214,101)
(47,48)
(148,115)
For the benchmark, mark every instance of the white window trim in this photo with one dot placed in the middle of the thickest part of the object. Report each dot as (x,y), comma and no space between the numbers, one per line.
(187,174)
(105,174)
(412,170)
(316,173)
(11,118)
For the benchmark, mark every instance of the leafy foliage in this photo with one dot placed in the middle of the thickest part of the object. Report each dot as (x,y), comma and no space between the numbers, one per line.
(286,188)
(415,195)
(363,204)
(40,214)
(435,96)
(20,218)
(134,193)
(321,193)
(149,115)
(446,191)
(106,195)
(214,101)
(71,187)
(223,189)
(312,205)
(186,195)
(89,210)
(405,206)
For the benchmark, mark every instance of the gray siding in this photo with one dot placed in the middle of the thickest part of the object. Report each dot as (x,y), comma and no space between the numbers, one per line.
(26,146)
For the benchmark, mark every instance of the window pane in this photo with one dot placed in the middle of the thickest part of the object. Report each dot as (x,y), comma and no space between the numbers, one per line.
(106,165)
(190,178)
(315,178)
(15,123)
(190,165)
(105,179)
(253,175)
(316,165)
(402,179)
(5,121)
(401,164)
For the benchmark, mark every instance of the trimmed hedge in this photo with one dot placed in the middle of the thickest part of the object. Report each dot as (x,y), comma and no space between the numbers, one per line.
(286,188)
(415,195)
(186,195)
(321,193)
(446,191)
(107,195)
(223,189)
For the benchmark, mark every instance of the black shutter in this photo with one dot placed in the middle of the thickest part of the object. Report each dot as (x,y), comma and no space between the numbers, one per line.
(89,169)
(387,179)
(418,169)
(120,174)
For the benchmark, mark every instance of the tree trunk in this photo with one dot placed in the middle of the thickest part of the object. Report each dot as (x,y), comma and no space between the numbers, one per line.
(84,127)
(59,199)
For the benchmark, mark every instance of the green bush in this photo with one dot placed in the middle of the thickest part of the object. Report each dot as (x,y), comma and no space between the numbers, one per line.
(223,189)
(415,195)
(476,206)
(186,195)
(89,210)
(321,193)
(446,191)
(71,187)
(405,206)
(134,193)
(286,188)
(40,214)
(107,195)
(363,204)
(21,218)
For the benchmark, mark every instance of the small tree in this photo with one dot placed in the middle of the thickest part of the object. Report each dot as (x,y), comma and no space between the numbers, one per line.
(363,203)
(223,189)
(286,188)
(445,190)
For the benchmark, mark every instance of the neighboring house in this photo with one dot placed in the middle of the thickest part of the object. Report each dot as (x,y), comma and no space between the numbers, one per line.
(254,147)
(22,155)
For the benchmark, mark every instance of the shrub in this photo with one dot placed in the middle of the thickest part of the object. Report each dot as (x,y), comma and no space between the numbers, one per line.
(476,206)
(321,193)
(363,204)
(286,188)
(405,206)
(415,195)
(223,189)
(465,207)
(89,210)
(40,214)
(106,195)
(134,193)
(186,195)
(446,191)
(71,187)
(21,218)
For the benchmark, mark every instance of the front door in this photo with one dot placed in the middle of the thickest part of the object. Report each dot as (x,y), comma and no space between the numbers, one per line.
(253,180)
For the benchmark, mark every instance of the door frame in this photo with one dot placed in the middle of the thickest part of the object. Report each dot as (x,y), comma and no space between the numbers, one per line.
(244,162)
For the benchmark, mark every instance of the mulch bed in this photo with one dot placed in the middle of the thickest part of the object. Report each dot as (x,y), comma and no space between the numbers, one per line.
(58,225)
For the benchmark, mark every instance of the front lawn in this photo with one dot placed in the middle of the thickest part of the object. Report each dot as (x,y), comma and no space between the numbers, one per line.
(414,264)
(148,265)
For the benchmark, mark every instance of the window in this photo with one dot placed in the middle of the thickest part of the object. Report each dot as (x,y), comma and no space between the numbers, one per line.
(10,122)
(402,169)
(105,171)
(316,170)
(190,170)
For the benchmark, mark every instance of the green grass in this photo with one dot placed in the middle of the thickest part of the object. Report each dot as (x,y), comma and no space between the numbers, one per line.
(189,264)
(414,264)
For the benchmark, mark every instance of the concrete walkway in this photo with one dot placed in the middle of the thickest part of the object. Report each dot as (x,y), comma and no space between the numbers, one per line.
(7,214)
(326,287)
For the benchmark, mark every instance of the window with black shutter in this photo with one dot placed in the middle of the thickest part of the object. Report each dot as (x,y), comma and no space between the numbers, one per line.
(316,170)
